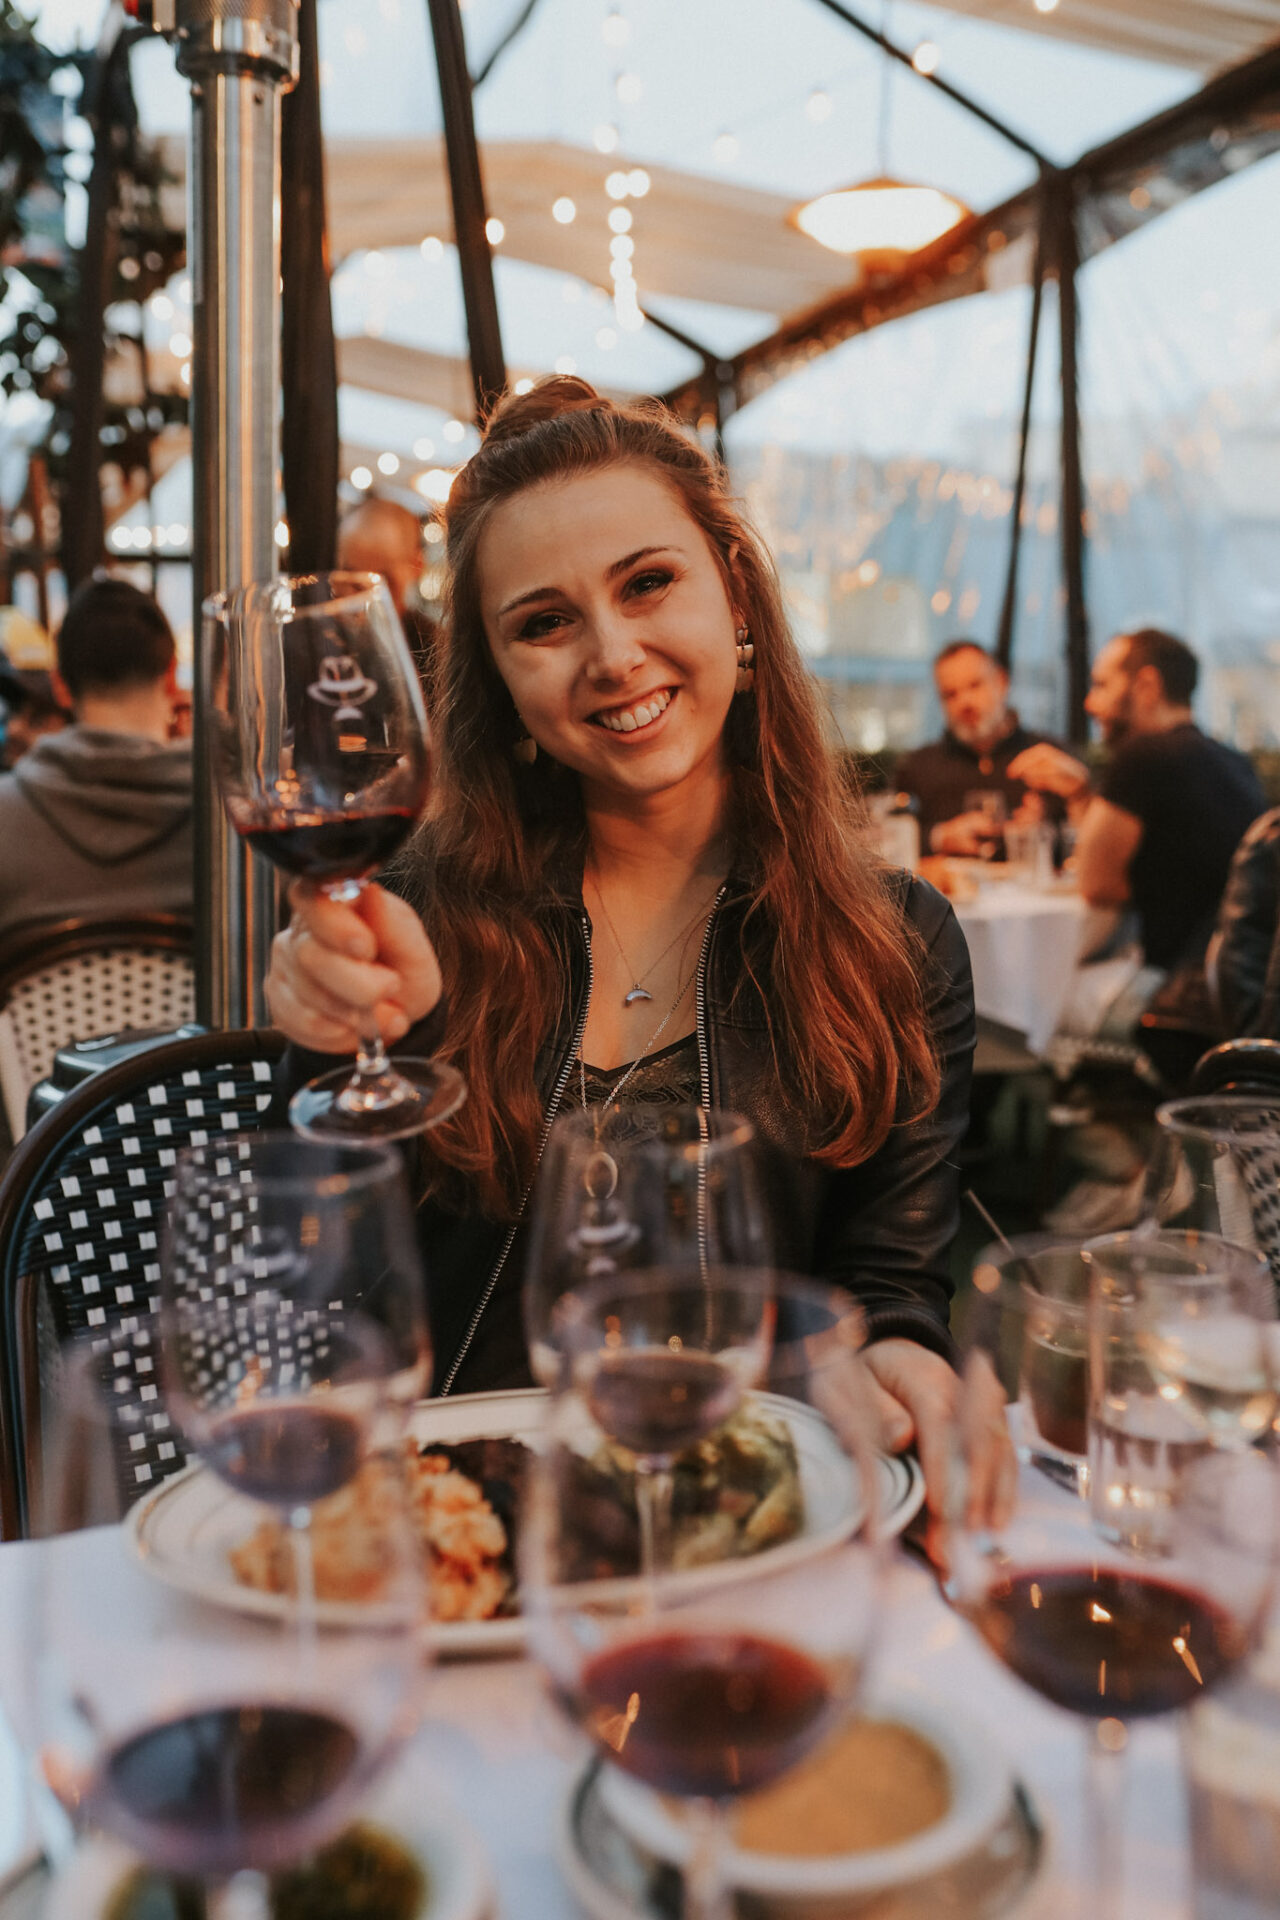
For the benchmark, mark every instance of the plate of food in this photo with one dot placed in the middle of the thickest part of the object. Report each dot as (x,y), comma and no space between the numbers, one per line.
(766,1483)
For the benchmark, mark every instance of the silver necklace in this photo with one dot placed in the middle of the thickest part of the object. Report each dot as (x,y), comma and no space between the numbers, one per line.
(611,1097)
(636,991)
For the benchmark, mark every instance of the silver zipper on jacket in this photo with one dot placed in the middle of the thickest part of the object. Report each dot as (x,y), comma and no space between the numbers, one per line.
(553,1108)
(704,1079)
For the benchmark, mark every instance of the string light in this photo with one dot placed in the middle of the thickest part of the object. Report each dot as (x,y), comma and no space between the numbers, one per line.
(495,232)
(619,219)
(423,449)
(282,533)
(638,183)
(818,105)
(629,88)
(524,385)
(375,264)
(388,464)
(161,306)
(622,246)
(432,250)
(926,56)
(180,345)
(454,431)
(361,478)
(617,186)
(725,148)
(564,211)
(1045,6)
(566,364)
(615,29)
(606,337)
(435,484)
(605,137)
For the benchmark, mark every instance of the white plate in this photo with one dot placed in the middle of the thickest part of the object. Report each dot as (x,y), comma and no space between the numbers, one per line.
(183,1532)
(459,1885)
(981,1783)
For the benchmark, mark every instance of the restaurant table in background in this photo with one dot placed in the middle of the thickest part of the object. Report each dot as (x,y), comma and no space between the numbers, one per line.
(1024,945)
(493,1749)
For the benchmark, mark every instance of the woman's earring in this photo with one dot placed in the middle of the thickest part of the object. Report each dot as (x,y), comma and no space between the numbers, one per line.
(526,749)
(746,662)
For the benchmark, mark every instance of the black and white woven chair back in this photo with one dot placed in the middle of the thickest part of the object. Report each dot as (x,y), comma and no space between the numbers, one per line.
(86,1252)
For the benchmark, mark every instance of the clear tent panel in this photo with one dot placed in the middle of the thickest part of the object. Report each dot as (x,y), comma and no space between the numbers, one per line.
(1180,399)
(881,475)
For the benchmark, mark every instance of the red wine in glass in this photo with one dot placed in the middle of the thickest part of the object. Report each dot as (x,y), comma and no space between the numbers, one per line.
(228,1787)
(323,847)
(1106,1641)
(657,1402)
(705,1714)
(285,1453)
(320,740)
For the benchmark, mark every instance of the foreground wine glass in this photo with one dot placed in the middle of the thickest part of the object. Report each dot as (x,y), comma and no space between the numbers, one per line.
(646,1189)
(708,1681)
(1107,1633)
(321,747)
(215,1745)
(300,1225)
(661,1361)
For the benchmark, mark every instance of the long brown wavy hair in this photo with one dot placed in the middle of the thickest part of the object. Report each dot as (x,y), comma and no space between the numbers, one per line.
(826,941)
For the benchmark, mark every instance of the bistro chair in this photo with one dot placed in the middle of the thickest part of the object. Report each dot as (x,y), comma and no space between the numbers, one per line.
(66,980)
(81,1211)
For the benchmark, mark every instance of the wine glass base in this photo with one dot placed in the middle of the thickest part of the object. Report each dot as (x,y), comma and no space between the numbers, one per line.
(413,1096)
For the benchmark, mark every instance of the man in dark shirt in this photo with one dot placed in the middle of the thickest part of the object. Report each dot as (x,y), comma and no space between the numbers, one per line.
(1171,805)
(983,735)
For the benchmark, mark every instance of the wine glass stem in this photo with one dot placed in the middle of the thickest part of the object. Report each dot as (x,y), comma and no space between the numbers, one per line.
(655,1484)
(246,1896)
(706,1896)
(1106,1784)
(304,1586)
(371,1056)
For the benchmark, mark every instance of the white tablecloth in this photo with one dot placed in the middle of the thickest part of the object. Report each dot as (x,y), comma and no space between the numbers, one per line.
(494,1749)
(1024,946)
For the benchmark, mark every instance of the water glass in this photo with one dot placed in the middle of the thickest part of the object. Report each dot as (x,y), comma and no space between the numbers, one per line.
(1181,1356)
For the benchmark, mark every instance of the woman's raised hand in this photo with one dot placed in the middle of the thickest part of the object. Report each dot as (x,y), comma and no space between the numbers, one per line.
(334,962)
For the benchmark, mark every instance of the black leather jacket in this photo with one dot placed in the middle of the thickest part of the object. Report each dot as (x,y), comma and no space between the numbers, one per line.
(1243,962)
(883,1229)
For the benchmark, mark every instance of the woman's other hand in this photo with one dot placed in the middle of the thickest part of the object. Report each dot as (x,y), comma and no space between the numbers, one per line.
(336,965)
(918,1398)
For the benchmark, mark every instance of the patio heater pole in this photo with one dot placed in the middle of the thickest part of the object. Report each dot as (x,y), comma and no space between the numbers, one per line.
(466,188)
(1061,210)
(240,57)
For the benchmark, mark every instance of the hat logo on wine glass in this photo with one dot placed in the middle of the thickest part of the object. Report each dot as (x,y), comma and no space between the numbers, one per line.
(342,686)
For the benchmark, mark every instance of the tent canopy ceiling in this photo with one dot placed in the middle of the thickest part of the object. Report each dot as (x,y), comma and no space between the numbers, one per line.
(1201,34)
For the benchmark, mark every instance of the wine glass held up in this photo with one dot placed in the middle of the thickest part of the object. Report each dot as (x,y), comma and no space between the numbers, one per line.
(213,1746)
(323,757)
(1106,1632)
(707,1682)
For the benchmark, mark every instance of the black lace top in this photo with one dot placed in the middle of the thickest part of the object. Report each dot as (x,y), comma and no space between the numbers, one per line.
(667,1078)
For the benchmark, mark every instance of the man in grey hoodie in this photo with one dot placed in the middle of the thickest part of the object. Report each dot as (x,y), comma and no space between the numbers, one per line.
(96,820)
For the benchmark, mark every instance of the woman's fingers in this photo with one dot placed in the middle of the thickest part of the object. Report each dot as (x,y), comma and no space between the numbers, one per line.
(923,1384)
(402,945)
(340,967)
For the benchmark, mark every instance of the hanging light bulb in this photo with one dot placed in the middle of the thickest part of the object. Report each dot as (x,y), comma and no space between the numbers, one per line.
(879,216)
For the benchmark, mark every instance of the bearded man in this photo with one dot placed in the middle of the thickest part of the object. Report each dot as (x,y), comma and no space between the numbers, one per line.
(974,757)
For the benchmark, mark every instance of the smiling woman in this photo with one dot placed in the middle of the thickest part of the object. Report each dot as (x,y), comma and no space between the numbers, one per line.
(638,832)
